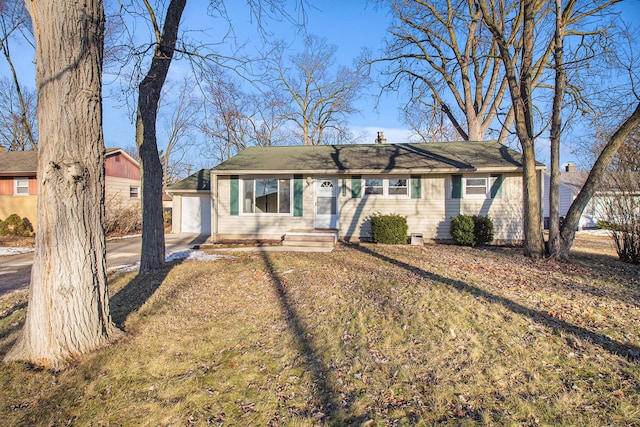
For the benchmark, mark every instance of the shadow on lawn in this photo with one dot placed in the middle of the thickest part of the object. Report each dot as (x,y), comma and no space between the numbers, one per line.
(135,293)
(324,393)
(603,341)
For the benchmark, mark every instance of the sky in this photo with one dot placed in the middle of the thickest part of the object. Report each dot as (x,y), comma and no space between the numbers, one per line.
(351,25)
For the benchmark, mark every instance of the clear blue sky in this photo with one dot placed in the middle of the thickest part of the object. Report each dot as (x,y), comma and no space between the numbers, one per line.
(349,24)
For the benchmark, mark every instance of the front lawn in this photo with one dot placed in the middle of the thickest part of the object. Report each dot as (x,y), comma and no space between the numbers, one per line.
(366,335)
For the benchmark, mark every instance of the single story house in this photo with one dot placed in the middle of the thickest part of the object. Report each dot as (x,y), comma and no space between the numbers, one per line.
(268,192)
(19,189)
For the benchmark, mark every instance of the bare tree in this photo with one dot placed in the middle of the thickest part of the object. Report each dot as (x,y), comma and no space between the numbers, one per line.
(320,100)
(14,136)
(226,125)
(444,54)
(14,19)
(178,117)
(619,199)
(149,89)
(164,46)
(68,310)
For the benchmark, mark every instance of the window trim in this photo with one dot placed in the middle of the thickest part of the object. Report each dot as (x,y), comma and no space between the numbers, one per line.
(241,194)
(487,187)
(16,181)
(385,186)
(490,180)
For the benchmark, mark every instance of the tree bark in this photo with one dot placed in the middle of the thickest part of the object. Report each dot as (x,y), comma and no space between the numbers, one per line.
(68,311)
(568,231)
(152,256)
(553,244)
(520,87)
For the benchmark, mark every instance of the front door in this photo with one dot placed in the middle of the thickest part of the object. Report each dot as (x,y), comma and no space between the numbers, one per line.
(326,203)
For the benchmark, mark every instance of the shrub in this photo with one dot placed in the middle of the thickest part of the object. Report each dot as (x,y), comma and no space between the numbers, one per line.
(389,229)
(16,226)
(462,230)
(121,220)
(473,230)
(482,230)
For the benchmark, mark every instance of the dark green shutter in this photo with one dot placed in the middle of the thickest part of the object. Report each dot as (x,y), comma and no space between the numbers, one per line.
(496,186)
(234,196)
(344,187)
(298,195)
(416,187)
(456,188)
(356,186)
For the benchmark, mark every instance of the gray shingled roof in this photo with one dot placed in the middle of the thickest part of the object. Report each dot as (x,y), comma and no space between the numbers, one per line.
(375,158)
(199,181)
(18,162)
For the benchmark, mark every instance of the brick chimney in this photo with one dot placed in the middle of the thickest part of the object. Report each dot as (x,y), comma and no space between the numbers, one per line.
(381,139)
(570,167)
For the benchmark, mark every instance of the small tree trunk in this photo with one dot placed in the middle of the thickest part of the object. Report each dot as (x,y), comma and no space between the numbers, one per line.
(152,256)
(568,231)
(553,245)
(68,311)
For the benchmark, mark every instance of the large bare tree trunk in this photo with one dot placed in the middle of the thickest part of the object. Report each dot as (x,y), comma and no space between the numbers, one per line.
(520,79)
(152,256)
(568,231)
(68,310)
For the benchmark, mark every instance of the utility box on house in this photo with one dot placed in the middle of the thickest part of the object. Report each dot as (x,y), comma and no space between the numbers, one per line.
(417,239)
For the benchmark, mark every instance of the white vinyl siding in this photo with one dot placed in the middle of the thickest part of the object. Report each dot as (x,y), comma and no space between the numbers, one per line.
(264,226)
(431,214)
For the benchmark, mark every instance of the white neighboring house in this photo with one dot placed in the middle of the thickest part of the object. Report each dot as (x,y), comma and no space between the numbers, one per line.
(272,192)
(571,182)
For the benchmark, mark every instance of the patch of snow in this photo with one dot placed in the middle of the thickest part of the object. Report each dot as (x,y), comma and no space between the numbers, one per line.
(189,254)
(4,251)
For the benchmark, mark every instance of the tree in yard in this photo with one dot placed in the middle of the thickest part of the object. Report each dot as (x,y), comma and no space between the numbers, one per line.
(149,89)
(320,100)
(163,47)
(449,61)
(68,311)
(18,121)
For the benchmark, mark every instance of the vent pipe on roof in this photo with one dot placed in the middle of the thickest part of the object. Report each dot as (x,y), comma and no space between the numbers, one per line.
(381,139)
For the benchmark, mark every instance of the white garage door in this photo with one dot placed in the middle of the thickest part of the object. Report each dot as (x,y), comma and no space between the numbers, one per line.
(196,214)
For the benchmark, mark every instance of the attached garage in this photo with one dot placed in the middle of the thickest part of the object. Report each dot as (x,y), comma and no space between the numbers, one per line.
(191,210)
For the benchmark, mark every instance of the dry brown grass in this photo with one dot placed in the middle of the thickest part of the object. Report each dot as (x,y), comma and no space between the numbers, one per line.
(396,335)
(17,242)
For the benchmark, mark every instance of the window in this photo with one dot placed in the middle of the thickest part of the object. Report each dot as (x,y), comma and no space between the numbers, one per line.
(475,187)
(398,187)
(373,186)
(21,186)
(134,192)
(386,187)
(267,195)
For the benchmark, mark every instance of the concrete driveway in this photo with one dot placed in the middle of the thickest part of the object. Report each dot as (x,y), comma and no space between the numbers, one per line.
(15,270)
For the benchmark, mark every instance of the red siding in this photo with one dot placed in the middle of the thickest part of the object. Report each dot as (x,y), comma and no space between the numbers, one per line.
(6,186)
(33,186)
(119,166)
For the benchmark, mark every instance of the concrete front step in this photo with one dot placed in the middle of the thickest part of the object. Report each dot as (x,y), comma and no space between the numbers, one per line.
(312,238)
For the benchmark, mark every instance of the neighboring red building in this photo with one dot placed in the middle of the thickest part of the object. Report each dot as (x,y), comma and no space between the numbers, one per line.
(19,189)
